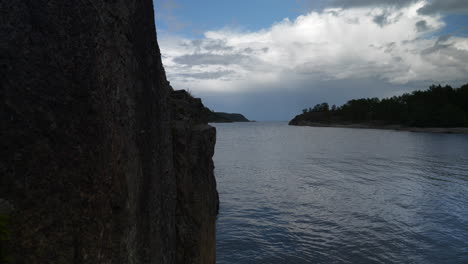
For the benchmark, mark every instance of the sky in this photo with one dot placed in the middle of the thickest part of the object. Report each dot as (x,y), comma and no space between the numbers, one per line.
(269,59)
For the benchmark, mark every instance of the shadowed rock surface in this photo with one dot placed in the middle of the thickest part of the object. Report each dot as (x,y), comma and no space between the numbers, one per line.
(197,199)
(93,159)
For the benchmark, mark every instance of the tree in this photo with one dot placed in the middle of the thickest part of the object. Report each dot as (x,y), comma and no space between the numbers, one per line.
(438,106)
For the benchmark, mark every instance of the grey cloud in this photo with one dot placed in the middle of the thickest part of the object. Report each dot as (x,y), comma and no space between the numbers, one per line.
(410,41)
(196,42)
(193,43)
(439,45)
(218,45)
(206,75)
(385,19)
(445,6)
(353,21)
(397,59)
(334,13)
(252,51)
(421,26)
(210,59)
(456,66)
(209,45)
(381,20)
(434,48)
(256,51)
(434,6)
(389,47)
(443,38)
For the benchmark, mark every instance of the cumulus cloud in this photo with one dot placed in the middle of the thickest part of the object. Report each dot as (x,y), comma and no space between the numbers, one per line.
(330,45)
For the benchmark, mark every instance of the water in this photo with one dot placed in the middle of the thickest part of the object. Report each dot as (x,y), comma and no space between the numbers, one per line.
(335,195)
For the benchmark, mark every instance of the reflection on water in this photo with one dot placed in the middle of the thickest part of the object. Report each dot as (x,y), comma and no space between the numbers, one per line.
(334,195)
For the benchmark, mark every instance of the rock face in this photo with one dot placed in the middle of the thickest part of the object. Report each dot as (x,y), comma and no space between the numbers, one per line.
(94,160)
(197,199)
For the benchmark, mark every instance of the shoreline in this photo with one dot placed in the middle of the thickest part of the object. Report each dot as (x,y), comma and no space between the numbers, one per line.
(438,130)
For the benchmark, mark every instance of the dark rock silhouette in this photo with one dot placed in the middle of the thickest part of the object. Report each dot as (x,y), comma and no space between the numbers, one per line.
(94,159)
(220,117)
(197,198)
(228,117)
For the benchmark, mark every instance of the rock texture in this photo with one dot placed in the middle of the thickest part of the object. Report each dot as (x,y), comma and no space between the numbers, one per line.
(93,158)
(197,199)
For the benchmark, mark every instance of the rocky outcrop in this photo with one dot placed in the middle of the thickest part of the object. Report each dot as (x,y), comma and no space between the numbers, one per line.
(307,118)
(94,161)
(220,117)
(205,114)
(197,199)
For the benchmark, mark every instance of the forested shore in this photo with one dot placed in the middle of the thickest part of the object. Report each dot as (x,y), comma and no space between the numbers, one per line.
(437,107)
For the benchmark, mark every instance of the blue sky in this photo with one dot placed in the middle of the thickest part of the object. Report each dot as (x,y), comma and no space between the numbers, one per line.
(270,59)
(195,17)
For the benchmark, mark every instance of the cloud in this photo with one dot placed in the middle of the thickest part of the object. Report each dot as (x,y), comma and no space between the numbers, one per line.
(334,44)
(421,26)
(206,75)
(432,6)
(381,20)
(445,6)
(210,59)
(386,18)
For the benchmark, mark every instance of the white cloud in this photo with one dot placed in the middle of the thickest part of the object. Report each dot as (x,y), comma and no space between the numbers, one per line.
(390,44)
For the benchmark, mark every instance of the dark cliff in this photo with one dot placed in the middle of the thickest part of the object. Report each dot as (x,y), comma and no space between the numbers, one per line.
(95,161)
(197,198)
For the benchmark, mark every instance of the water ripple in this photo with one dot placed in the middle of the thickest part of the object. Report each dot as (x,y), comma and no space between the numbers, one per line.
(331,195)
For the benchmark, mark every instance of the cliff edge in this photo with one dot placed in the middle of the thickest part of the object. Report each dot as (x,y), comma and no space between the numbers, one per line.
(95,162)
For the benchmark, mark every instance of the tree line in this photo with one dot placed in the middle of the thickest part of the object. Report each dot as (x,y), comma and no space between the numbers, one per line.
(439,106)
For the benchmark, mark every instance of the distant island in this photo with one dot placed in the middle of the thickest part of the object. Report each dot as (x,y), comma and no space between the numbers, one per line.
(220,117)
(439,109)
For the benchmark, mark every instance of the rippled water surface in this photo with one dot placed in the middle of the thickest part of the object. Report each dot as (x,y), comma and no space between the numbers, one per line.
(333,195)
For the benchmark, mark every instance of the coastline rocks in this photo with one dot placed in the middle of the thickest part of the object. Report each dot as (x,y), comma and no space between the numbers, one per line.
(440,130)
(310,118)
(220,117)
(92,159)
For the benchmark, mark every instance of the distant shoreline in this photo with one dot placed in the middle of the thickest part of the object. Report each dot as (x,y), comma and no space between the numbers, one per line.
(440,130)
